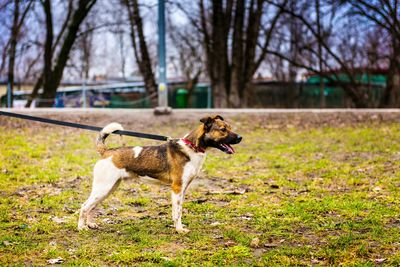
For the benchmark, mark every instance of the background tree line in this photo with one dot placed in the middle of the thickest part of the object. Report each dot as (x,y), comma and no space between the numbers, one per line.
(227,42)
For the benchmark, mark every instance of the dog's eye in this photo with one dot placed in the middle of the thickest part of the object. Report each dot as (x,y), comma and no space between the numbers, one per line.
(223,129)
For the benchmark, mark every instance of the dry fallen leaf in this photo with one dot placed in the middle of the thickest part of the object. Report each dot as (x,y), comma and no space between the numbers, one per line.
(228,192)
(58,260)
(57,220)
(377,189)
(380,260)
(255,242)
(229,243)
(108,221)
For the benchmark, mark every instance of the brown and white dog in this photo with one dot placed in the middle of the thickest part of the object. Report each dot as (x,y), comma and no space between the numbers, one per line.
(176,163)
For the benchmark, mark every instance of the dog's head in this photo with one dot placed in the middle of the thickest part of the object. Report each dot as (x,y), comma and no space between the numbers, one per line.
(218,134)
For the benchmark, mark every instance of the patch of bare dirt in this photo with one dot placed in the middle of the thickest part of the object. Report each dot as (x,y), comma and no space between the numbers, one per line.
(145,119)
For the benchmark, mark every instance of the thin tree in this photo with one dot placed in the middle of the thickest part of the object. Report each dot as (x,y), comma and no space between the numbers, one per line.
(85,46)
(187,42)
(231,34)
(384,15)
(331,60)
(54,63)
(20,13)
(140,49)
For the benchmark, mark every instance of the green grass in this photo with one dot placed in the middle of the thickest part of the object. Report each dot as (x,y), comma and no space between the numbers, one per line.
(317,196)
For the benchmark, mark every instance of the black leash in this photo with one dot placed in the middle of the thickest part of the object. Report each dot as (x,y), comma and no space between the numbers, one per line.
(83,126)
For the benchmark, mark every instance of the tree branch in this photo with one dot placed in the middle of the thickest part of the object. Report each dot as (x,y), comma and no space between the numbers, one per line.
(64,25)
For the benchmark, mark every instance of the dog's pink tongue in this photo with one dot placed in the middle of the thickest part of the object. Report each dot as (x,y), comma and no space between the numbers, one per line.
(230,149)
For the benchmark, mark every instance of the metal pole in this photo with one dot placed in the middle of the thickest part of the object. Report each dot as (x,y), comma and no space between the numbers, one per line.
(9,95)
(162,70)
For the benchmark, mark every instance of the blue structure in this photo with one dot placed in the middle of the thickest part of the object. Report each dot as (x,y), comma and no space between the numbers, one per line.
(162,70)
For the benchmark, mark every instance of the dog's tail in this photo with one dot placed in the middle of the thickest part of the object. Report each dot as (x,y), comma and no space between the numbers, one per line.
(100,142)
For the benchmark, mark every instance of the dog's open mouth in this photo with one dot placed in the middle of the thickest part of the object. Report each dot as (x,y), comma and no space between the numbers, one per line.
(226,148)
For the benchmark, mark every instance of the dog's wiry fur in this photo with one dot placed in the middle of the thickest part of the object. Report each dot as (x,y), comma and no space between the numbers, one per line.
(173,163)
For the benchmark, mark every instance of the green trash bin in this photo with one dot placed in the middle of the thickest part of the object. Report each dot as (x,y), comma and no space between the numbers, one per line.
(182,98)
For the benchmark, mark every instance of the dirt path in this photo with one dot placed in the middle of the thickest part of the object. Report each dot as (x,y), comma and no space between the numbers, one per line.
(140,119)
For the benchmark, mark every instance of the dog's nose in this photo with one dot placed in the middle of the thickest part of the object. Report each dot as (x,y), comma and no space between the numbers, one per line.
(238,138)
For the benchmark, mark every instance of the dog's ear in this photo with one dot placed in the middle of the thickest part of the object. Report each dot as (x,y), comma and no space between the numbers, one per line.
(218,117)
(211,118)
(208,121)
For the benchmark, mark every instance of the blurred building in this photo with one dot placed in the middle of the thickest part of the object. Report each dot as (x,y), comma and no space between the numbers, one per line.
(103,92)
(307,94)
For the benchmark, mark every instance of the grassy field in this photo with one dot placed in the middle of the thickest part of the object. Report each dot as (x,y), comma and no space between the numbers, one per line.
(313,196)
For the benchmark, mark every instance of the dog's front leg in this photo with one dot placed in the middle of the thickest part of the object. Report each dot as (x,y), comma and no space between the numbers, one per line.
(177,202)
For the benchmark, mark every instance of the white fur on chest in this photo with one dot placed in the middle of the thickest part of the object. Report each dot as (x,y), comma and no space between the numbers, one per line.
(192,167)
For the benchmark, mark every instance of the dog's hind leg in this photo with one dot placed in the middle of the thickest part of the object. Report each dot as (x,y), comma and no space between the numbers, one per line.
(90,214)
(106,178)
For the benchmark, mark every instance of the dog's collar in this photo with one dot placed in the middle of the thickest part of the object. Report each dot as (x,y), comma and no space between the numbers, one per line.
(193,146)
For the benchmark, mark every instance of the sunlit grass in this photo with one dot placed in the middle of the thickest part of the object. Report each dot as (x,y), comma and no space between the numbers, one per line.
(324,196)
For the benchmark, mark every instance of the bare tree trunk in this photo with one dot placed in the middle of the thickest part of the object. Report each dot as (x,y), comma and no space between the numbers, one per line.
(85,44)
(18,20)
(140,49)
(230,80)
(216,47)
(220,68)
(35,91)
(219,94)
(237,56)
(391,95)
(251,59)
(191,85)
(13,47)
(53,78)
(4,56)
(48,47)
(294,42)
(391,98)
